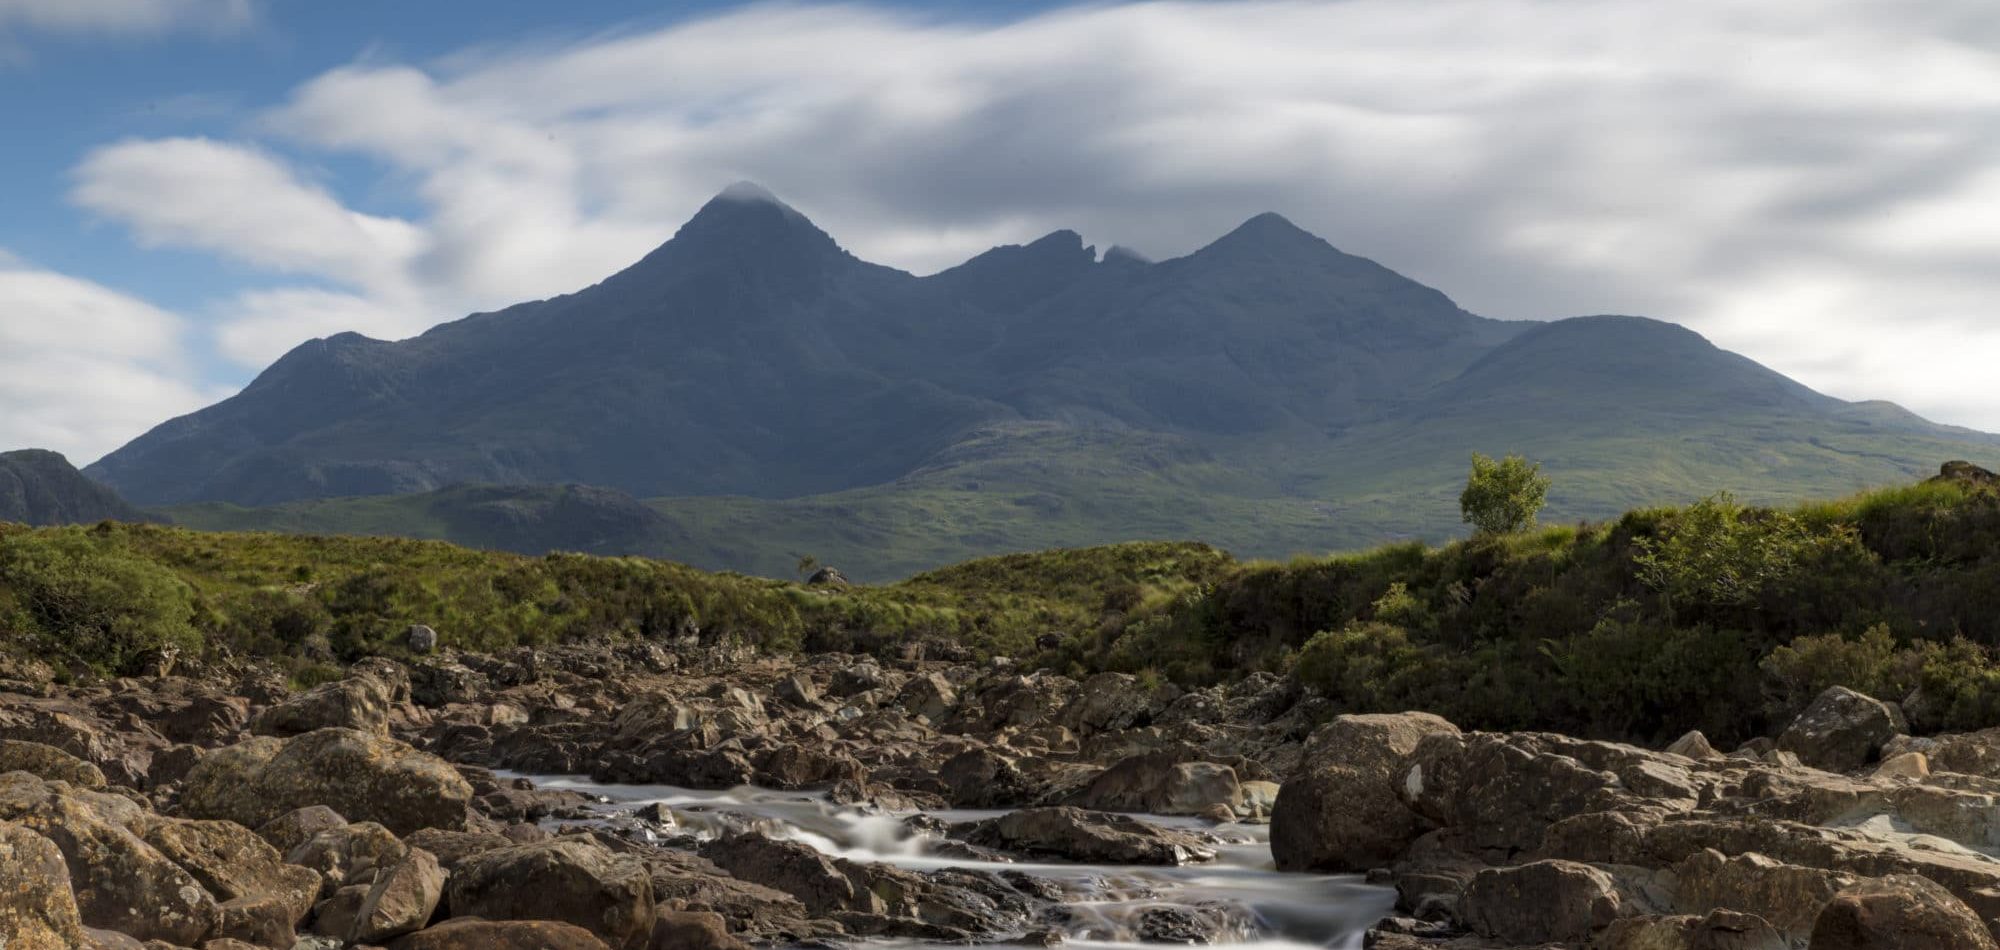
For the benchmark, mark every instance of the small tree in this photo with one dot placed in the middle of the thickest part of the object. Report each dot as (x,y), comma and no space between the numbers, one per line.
(1502,497)
(807,565)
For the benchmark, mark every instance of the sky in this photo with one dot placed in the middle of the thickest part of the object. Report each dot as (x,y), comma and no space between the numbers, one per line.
(189,188)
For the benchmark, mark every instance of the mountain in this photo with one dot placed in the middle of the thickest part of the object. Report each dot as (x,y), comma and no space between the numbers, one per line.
(39,487)
(770,394)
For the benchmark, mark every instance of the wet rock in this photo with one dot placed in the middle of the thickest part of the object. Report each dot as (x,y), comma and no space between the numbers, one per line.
(570,880)
(48,762)
(1842,730)
(1898,913)
(473,934)
(402,899)
(359,702)
(362,776)
(1340,811)
(1197,924)
(37,909)
(1074,834)
(1161,784)
(1541,901)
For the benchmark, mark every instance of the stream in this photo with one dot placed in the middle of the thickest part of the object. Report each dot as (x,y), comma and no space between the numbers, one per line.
(1281,911)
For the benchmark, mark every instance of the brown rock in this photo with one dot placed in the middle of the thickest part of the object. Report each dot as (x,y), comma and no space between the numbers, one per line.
(37,909)
(569,879)
(361,776)
(402,900)
(296,827)
(1902,912)
(1542,901)
(1842,730)
(472,934)
(358,702)
(1339,811)
(689,930)
(48,762)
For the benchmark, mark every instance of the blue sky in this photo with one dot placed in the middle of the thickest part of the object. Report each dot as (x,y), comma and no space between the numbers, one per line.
(192,187)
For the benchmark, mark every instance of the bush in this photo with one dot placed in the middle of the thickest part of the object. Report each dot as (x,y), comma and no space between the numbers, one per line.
(83,597)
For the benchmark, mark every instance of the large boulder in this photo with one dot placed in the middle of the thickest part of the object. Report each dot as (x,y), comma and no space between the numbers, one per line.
(1901,912)
(1090,837)
(260,893)
(48,762)
(121,882)
(1542,901)
(358,702)
(1718,930)
(1339,811)
(362,776)
(1161,783)
(1788,896)
(1501,792)
(37,908)
(572,880)
(1842,730)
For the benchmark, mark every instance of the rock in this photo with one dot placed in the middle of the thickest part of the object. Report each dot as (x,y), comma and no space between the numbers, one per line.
(1199,924)
(241,869)
(402,899)
(472,934)
(1720,930)
(1160,784)
(440,681)
(571,880)
(690,930)
(1501,792)
(296,827)
(1909,765)
(1901,912)
(121,882)
(336,916)
(798,690)
(827,577)
(1695,746)
(358,702)
(1108,702)
(421,639)
(362,776)
(452,848)
(347,856)
(1084,836)
(1340,810)
(1542,901)
(48,762)
(928,695)
(794,868)
(1842,730)
(1786,895)
(37,909)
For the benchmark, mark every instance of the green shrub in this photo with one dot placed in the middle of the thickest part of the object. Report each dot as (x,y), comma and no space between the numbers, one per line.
(1502,497)
(83,597)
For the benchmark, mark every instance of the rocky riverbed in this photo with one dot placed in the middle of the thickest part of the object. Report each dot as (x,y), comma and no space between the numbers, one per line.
(628,797)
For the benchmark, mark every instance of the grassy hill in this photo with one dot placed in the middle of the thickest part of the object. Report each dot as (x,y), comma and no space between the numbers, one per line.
(1728,614)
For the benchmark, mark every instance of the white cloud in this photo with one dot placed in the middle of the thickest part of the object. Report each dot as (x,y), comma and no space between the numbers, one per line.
(1806,180)
(86,368)
(125,16)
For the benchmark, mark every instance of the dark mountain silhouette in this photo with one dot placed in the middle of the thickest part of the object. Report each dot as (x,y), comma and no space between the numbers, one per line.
(40,487)
(1268,390)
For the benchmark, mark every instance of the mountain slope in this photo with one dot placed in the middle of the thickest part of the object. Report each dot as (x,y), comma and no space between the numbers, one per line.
(770,395)
(39,487)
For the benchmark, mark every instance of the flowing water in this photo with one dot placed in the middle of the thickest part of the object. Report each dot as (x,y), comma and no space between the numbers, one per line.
(1278,911)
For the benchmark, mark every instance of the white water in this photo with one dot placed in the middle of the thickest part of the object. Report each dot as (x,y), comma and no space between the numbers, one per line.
(1285,911)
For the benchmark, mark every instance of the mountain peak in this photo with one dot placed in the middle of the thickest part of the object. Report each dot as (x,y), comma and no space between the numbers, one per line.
(1268,235)
(747,191)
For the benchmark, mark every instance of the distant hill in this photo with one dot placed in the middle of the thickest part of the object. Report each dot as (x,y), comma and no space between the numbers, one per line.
(39,487)
(768,394)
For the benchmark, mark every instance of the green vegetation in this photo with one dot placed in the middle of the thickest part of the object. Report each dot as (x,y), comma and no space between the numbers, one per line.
(1719,615)
(1502,497)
